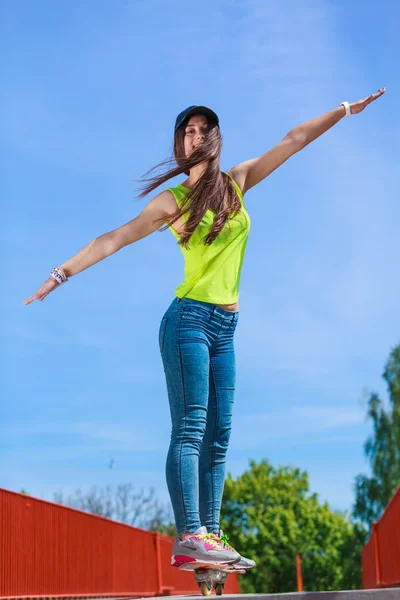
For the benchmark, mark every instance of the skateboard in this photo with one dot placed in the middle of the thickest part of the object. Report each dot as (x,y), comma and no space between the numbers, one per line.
(209,576)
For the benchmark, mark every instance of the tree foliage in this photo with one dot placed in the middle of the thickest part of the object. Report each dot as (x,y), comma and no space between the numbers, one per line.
(382,448)
(270,515)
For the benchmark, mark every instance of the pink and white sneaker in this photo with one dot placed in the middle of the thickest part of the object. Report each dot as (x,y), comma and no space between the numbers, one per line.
(202,548)
(242,562)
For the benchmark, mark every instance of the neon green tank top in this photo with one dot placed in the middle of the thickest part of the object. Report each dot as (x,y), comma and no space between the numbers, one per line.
(212,273)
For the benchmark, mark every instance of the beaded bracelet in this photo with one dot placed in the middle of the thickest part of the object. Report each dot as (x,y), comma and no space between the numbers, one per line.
(61,272)
(59,275)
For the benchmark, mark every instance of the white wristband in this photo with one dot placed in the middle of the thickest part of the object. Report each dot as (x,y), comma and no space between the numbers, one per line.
(347,107)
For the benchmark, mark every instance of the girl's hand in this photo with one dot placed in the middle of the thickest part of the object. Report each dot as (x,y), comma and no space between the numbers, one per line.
(49,285)
(357,107)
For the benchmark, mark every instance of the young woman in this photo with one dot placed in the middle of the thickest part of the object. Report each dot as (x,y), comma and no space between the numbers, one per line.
(207,216)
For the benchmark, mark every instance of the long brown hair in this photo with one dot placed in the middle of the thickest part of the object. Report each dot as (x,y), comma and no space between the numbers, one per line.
(213,191)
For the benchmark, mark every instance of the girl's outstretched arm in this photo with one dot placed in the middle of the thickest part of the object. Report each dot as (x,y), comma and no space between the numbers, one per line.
(149,220)
(247,174)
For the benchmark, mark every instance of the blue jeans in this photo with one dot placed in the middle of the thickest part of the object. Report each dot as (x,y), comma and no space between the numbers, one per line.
(196,344)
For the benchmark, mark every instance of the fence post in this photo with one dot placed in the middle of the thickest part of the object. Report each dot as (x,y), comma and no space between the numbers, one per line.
(158,565)
(298,574)
(377,562)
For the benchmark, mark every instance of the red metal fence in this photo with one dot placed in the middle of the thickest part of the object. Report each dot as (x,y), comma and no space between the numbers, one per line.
(381,554)
(51,550)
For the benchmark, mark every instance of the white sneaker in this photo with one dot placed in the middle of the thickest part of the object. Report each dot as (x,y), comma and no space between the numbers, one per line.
(201,547)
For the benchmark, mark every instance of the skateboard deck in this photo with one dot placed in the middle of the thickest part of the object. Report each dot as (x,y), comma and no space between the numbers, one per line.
(209,575)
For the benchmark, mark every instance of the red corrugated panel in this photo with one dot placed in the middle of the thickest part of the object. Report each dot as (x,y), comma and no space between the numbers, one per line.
(48,549)
(388,530)
(381,554)
(368,566)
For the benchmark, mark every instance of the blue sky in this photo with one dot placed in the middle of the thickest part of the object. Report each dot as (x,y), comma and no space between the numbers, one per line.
(90,92)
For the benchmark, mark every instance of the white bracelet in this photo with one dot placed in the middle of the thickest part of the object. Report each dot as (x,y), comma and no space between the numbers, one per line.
(59,275)
(347,107)
(60,271)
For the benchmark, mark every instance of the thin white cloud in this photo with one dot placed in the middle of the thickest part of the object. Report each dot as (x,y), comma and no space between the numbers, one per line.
(298,422)
(327,417)
(135,436)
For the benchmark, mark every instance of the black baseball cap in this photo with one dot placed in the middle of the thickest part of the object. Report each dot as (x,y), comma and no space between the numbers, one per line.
(195,110)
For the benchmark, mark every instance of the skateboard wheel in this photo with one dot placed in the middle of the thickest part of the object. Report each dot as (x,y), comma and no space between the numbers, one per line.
(219,587)
(205,590)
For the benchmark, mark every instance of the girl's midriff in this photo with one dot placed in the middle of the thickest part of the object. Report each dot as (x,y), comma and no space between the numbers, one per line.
(230,307)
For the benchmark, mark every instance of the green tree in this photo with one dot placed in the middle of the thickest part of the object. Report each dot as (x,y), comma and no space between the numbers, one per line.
(270,515)
(382,448)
